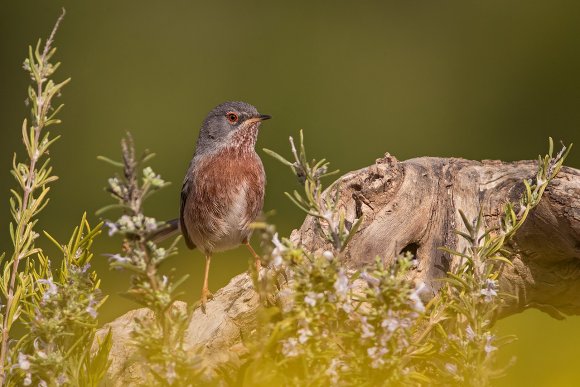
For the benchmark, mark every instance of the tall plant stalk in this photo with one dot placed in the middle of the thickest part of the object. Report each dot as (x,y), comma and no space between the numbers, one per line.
(33,177)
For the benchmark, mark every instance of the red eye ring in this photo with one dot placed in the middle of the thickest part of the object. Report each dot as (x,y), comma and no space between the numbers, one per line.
(232,117)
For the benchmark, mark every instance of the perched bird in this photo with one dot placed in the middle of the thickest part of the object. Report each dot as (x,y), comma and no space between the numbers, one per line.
(223,189)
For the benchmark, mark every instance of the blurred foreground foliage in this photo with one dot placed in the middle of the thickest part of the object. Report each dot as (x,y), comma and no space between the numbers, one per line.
(374,327)
(57,310)
(319,323)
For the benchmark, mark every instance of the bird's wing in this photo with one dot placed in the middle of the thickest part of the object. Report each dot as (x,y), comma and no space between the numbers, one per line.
(255,196)
(184,195)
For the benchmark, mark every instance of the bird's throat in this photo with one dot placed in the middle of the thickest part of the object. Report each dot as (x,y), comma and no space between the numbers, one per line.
(244,139)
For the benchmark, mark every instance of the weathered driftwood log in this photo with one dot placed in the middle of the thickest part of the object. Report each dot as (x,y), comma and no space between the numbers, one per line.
(413,206)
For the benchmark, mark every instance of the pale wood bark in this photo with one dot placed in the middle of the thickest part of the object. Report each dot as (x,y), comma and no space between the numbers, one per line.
(413,206)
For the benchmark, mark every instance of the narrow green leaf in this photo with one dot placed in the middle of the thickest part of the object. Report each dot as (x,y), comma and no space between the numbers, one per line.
(352,232)
(466,222)
(112,162)
(277,157)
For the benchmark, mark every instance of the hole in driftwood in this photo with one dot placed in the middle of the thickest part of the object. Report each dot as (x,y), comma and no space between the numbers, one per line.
(410,248)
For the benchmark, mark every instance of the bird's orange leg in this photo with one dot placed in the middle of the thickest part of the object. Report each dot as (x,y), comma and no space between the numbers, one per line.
(205,290)
(258,262)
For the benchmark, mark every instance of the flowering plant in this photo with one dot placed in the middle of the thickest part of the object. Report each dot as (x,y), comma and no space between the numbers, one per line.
(333,325)
(57,309)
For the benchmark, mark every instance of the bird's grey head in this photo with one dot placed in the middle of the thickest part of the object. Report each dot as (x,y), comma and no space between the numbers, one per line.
(231,123)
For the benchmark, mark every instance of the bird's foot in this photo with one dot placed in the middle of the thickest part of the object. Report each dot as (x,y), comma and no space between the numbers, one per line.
(206,295)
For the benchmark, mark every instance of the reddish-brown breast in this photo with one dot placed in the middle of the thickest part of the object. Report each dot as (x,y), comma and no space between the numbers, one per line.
(225,194)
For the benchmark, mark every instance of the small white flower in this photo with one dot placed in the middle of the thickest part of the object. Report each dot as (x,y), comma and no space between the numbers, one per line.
(328,255)
(117,258)
(332,371)
(52,289)
(367,329)
(150,224)
(277,243)
(310,299)
(416,299)
(303,335)
(390,324)
(277,260)
(285,296)
(126,223)
(42,383)
(170,373)
(23,362)
(341,284)
(489,290)
(90,309)
(451,368)
(278,252)
(151,177)
(62,379)
(376,354)
(113,228)
(289,347)
(160,252)
(489,348)
(347,307)
(27,380)
(470,333)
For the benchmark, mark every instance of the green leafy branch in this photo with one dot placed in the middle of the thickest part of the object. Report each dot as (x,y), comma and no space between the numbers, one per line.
(57,312)
(470,300)
(323,207)
(60,315)
(33,178)
(159,339)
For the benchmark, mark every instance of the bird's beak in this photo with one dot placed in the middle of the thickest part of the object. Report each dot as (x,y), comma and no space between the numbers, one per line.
(260,118)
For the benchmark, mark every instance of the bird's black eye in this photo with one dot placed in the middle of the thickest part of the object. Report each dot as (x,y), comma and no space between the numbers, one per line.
(232,117)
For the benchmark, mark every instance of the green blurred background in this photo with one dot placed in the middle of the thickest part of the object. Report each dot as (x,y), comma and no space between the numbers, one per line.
(479,80)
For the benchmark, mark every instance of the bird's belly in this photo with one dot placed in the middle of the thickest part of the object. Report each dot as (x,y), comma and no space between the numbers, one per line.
(231,239)
(230,228)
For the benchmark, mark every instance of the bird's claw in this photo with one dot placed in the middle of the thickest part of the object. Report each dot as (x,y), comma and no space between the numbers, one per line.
(205,296)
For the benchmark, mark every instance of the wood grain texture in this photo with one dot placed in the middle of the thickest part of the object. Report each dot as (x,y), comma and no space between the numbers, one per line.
(415,205)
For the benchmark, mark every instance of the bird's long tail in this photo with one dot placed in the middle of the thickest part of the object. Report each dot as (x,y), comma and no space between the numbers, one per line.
(169,229)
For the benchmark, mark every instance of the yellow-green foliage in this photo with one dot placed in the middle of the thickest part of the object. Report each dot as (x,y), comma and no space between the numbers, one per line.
(56,310)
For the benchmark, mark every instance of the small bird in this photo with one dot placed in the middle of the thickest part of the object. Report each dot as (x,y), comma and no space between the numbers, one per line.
(223,189)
